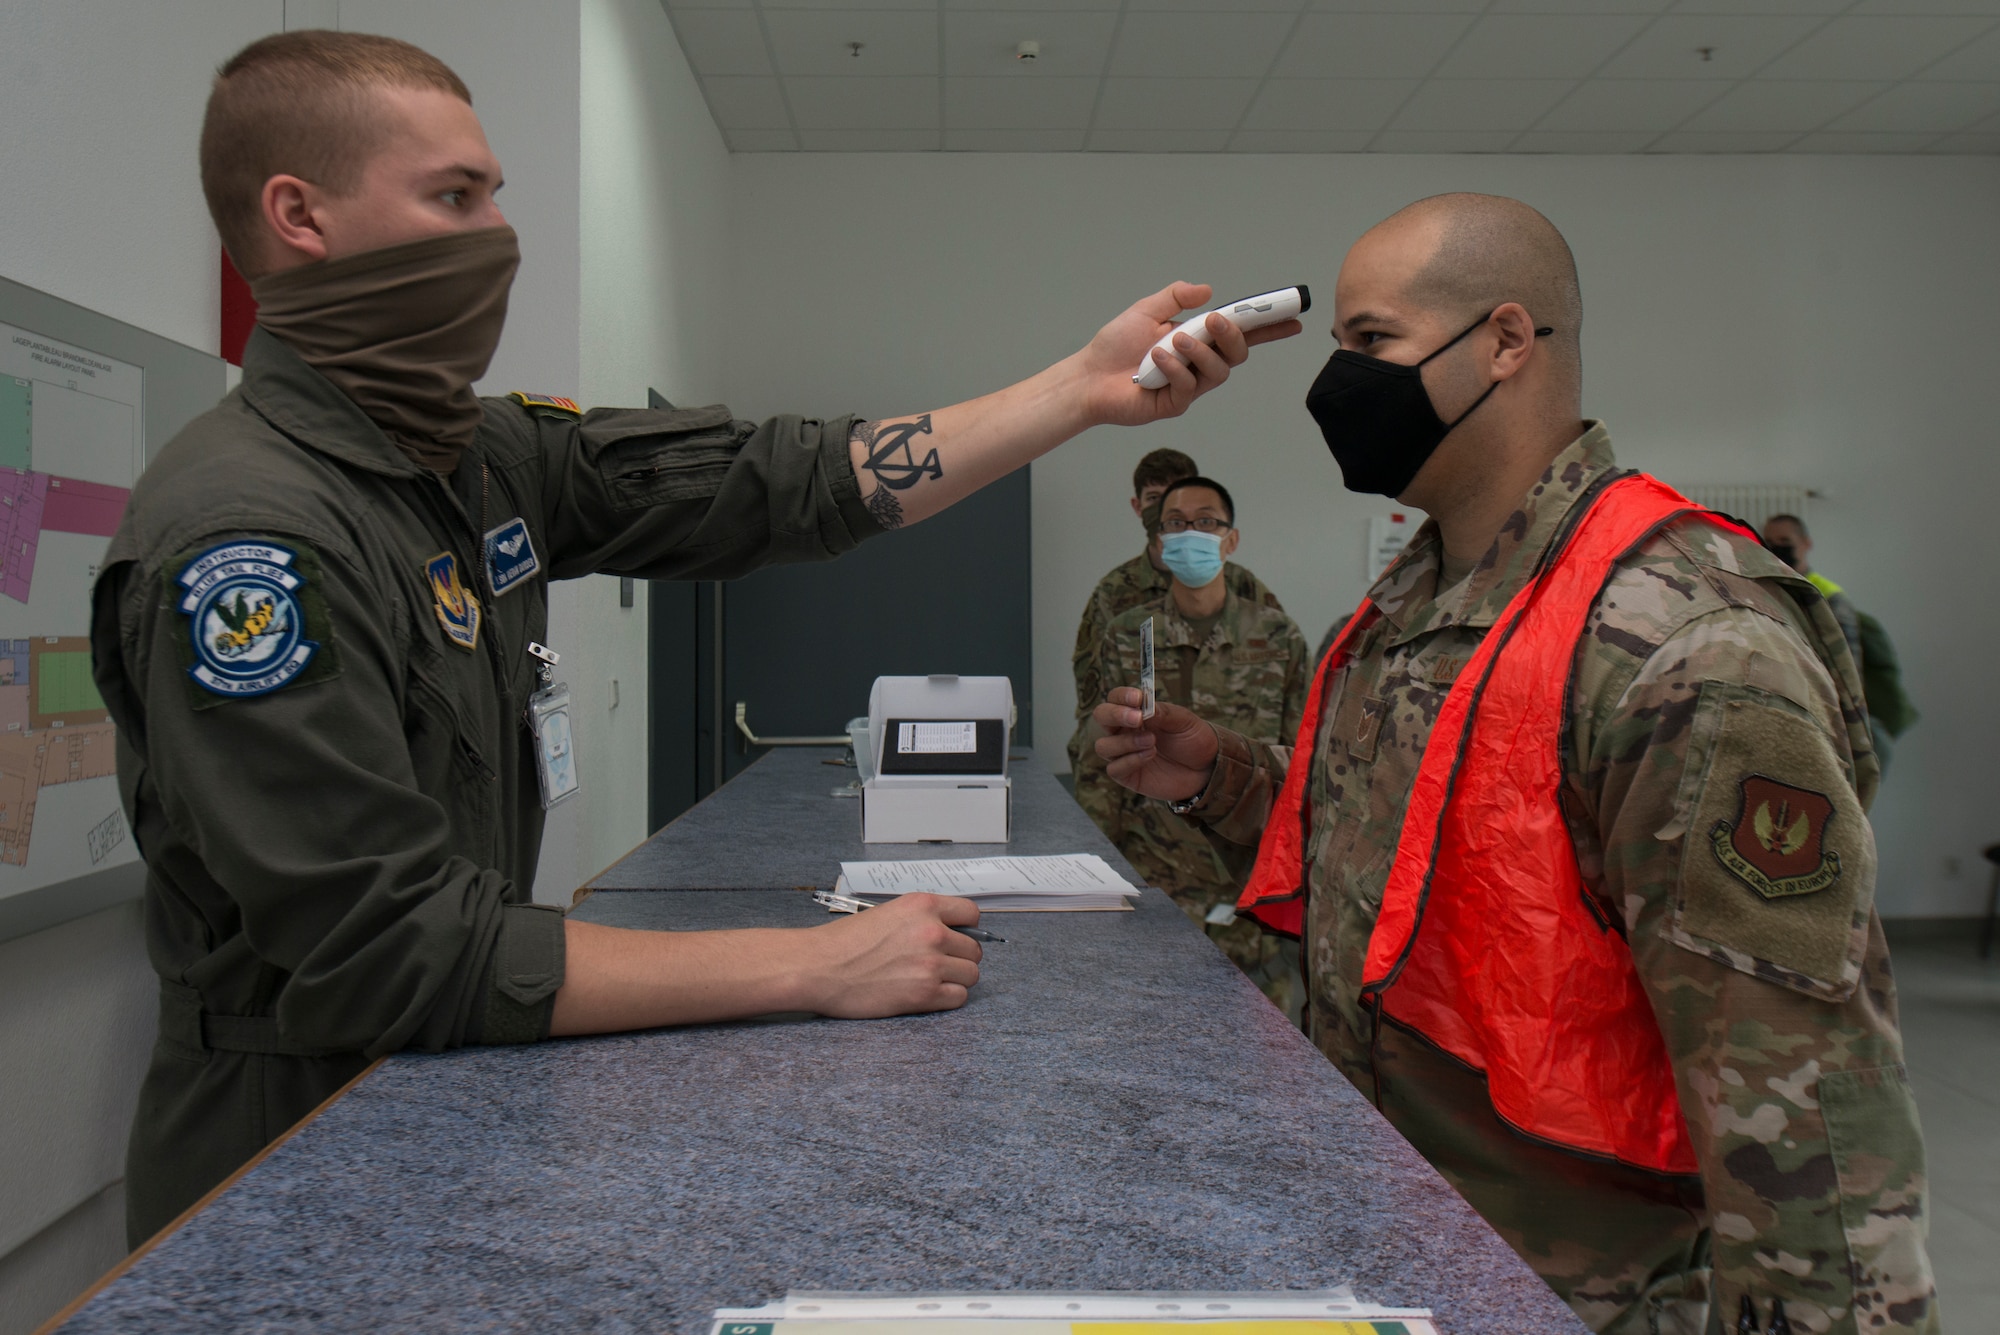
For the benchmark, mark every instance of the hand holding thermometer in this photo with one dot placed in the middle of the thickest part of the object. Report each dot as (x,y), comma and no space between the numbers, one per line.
(1287,303)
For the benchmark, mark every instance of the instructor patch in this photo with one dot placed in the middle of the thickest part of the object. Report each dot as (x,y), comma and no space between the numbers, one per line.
(254,625)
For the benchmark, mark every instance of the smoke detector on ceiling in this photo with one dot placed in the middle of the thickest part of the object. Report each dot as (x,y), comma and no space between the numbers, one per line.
(1028,51)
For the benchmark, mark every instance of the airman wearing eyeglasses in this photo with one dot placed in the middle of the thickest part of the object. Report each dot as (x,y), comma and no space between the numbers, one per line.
(1223,656)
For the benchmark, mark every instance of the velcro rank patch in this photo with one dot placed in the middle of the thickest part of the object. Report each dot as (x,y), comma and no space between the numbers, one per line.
(256,620)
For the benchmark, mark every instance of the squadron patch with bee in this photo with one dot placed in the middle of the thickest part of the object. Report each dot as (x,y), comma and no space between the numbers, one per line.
(256,622)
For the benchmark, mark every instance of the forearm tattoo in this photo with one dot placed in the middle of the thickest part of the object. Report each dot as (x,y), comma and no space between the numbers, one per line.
(889,455)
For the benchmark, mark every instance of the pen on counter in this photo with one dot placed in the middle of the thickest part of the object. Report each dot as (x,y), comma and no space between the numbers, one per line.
(847,904)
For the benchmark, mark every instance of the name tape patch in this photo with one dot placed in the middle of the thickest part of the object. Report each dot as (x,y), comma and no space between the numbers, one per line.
(246,623)
(510,556)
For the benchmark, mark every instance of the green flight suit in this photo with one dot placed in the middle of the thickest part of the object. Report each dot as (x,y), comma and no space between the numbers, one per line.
(319,698)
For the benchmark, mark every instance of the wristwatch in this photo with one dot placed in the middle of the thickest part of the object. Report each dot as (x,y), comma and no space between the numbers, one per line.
(1186,806)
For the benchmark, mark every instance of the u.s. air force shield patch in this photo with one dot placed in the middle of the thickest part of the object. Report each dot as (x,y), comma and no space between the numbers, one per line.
(253,627)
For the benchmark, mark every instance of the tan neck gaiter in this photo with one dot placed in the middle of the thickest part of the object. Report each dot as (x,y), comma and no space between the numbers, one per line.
(403,331)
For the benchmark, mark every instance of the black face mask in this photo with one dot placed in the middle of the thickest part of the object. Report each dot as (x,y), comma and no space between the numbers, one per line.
(1378,419)
(1785,552)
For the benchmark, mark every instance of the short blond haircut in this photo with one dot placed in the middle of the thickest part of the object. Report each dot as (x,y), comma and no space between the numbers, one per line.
(296,104)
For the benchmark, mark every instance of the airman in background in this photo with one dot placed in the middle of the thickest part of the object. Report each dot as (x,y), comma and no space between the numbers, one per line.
(1225,657)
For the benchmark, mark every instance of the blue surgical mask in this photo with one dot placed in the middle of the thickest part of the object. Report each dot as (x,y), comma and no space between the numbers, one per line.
(1194,557)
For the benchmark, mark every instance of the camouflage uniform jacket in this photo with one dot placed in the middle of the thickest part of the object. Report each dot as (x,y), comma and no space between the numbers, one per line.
(1708,674)
(1132,584)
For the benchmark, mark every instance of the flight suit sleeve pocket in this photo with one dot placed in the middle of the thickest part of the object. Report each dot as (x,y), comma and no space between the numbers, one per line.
(529,958)
(1777,869)
(656,455)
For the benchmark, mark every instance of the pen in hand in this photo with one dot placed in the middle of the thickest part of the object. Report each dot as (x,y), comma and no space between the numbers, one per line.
(847,904)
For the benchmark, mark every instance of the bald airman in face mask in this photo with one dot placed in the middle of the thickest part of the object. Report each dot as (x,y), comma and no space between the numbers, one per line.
(313,628)
(1574,834)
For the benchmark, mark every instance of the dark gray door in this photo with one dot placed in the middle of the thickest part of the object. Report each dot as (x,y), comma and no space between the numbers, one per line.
(799,646)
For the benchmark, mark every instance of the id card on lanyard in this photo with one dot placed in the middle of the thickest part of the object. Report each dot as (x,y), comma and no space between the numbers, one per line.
(555,739)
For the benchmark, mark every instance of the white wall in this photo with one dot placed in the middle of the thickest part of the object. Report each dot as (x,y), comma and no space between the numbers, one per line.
(1830,321)
(654,207)
(102,102)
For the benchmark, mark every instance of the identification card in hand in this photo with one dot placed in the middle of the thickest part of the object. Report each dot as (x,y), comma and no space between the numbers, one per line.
(555,743)
(1147,681)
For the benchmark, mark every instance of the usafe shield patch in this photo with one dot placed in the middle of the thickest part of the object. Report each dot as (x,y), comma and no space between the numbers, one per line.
(255,623)
(457,608)
(510,556)
(1777,843)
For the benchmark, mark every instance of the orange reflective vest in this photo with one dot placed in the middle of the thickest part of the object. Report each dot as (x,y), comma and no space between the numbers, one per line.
(1488,944)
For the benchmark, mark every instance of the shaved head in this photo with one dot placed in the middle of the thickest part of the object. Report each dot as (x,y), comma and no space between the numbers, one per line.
(1486,250)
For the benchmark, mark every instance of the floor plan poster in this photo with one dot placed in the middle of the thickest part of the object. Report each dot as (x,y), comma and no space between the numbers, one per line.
(71,446)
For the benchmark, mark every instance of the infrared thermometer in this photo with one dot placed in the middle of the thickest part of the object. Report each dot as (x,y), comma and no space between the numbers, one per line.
(1287,303)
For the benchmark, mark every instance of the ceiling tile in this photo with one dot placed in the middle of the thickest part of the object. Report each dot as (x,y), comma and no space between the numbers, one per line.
(868,141)
(1364,46)
(1327,104)
(1581,141)
(1876,47)
(1739,45)
(864,104)
(723,41)
(1199,46)
(1479,105)
(1861,143)
(1977,59)
(1762,106)
(1579,6)
(983,43)
(1042,5)
(1990,8)
(1218,6)
(1174,104)
(1656,105)
(1918,108)
(1822,7)
(761,141)
(815,42)
(926,6)
(1019,104)
(1142,141)
(1013,141)
(1398,6)
(1695,141)
(1299,141)
(746,104)
(1983,144)
(1441,141)
(1538,46)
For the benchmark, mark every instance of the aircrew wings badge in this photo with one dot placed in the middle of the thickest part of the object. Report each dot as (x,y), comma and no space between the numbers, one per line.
(457,608)
(1777,845)
(510,556)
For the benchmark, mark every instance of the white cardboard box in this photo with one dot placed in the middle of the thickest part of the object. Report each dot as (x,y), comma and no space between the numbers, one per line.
(968,806)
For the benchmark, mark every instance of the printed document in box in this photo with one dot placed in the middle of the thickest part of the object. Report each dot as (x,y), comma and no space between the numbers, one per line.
(1329,1312)
(1072,881)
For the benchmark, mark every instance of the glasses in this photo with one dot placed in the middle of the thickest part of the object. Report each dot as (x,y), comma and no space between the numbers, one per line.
(1201,524)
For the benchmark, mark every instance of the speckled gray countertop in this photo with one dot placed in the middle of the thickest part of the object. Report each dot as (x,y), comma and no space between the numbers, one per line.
(1115,1108)
(800,833)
